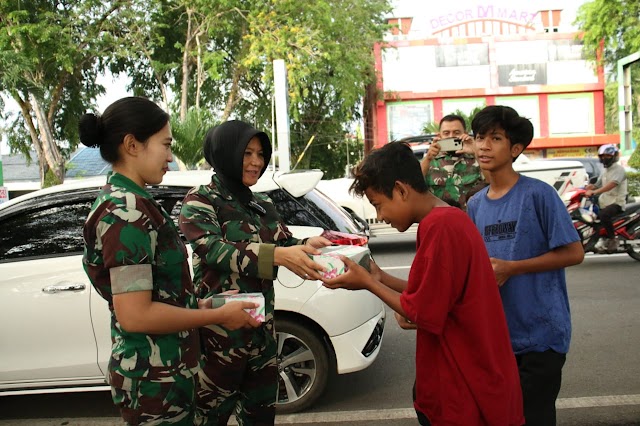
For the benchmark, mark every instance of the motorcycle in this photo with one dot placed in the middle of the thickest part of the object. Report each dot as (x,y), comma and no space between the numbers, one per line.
(583,211)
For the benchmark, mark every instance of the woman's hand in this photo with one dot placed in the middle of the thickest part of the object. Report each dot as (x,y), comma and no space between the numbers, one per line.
(318,242)
(235,316)
(206,302)
(297,260)
(356,277)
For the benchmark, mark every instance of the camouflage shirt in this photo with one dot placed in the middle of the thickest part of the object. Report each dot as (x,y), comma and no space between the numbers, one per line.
(233,246)
(131,244)
(453,177)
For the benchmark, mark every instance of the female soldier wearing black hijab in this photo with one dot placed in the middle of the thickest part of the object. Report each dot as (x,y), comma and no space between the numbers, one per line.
(238,242)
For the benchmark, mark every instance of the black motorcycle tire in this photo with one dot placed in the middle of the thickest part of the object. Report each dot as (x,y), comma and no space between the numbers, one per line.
(634,251)
(635,254)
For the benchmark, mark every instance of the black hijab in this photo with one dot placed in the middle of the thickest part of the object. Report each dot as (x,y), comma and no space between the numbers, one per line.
(224,148)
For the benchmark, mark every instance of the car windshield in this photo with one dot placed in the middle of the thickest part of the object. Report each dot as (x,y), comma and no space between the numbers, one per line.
(313,209)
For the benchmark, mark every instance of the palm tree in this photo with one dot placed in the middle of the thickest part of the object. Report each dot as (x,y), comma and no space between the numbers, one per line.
(433,127)
(189,135)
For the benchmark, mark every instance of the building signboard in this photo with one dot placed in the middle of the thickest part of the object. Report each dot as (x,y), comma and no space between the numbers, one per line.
(522,74)
(578,151)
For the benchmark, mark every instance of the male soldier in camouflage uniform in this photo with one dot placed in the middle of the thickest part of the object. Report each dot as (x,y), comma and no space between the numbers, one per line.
(452,177)
(129,238)
(234,235)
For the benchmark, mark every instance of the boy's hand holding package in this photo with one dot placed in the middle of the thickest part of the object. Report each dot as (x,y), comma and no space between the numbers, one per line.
(356,277)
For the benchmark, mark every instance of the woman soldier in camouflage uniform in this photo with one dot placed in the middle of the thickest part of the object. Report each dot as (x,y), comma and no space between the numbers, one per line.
(238,241)
(136,260)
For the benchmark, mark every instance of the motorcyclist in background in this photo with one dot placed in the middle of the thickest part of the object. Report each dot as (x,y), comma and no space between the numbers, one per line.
(611,188)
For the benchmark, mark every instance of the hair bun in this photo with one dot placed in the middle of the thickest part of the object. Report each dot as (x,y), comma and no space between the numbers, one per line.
(90,130)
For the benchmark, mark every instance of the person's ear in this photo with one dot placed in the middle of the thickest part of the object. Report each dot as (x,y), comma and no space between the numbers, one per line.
(131,145)
(516,150)
(402,189)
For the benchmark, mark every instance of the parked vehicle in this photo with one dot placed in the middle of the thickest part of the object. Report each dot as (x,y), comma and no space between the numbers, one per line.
(56,328)
(583,211)
(592,165)
(562,175)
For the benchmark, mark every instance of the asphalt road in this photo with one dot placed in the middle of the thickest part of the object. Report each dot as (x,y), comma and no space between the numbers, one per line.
(601,384)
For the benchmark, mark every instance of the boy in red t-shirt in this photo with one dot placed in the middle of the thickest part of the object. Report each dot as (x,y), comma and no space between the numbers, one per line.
(466,372)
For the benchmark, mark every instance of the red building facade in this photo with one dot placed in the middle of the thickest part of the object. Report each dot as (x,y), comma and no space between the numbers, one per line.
(468,55)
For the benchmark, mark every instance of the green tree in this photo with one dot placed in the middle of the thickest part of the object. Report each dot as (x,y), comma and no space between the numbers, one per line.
(50,54)
(189,134)
(433,127)
(611,32)
(227,49)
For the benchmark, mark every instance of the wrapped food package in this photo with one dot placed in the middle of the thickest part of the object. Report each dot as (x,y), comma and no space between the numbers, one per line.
(334,266)
(257,313)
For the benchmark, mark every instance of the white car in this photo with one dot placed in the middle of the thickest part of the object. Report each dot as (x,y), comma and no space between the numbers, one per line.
(55,334)
(562,175)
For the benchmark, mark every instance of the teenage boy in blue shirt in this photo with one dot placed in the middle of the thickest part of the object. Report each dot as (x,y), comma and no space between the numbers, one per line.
(530,239)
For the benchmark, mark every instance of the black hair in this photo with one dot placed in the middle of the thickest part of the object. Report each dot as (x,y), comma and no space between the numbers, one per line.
(133,115)
(518,129)
(382,167)
(453,117)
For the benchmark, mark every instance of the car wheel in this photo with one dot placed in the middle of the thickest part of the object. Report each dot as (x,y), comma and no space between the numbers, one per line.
(303,366)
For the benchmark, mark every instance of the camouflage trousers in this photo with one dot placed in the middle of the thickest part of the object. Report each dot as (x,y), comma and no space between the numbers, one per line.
(142,402)
(241,381)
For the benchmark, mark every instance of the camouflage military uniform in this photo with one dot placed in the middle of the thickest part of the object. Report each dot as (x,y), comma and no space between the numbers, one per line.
(131,244)
(233,249)
(453,178)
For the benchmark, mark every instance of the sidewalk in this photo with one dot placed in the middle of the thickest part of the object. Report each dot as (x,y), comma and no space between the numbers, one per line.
(387,417)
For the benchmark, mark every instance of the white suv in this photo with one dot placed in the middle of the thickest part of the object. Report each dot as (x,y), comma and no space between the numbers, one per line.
(56,334)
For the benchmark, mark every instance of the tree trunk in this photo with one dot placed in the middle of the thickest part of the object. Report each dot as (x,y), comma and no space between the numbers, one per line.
(199,71)
(25,109)
(186,68)
(233,99)
(49,147)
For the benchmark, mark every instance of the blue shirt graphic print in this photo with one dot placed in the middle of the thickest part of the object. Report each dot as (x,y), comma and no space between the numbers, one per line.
(529,221)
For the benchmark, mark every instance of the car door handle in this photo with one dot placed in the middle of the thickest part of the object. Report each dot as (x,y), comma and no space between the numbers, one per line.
(64,287)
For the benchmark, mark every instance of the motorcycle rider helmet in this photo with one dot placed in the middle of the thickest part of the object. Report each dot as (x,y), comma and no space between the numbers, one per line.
(608,154)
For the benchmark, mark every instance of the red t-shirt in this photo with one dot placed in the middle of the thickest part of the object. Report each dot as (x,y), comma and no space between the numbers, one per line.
(466,372)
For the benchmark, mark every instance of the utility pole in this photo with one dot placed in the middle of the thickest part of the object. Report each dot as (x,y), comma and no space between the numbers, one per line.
(282,114)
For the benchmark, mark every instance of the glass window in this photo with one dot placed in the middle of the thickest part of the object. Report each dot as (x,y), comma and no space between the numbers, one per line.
(571,114)
(312,209)
(408,119)
(461,55)
(465,105)
(565,50)
(527,106)
(49,228)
